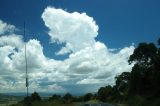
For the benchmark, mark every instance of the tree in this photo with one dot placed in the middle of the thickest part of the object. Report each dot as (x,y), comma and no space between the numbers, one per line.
(122,79)
(27,101)
(144,55)
(68,98)
(55,97)
(35,97)
(104,93)
(88,96)
(122,85)
(159,41)
(145,74)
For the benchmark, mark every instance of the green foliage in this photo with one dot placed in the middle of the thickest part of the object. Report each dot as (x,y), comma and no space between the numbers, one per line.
(143,80)
(68,98)
(159,41)
(145,74)
(55,97)
(46,103)
(35,97)
(122,82)
(122,86)
(88,97)
(136,101)
(144,54)
(30,99)
(104,93)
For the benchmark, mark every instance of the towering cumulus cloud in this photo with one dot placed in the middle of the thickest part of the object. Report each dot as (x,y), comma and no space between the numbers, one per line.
(76,30)
(90,64)
(90,61)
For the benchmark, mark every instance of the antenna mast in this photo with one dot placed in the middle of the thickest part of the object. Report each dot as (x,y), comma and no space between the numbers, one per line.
(27,84)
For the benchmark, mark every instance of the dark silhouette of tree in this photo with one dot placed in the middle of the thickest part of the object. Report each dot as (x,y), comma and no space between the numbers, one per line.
(144,55)
(104,93)
(30,99)
(122,86)
(55,97)
(123,79)
(68,98)
(145,74)
(144,78)
(159,41)
(35,97)
(88,96)
(27,101)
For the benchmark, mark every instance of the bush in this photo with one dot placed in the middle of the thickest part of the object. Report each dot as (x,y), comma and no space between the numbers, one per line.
(136,101)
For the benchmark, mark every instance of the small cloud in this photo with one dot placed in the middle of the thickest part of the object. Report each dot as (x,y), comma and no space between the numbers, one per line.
(6,28)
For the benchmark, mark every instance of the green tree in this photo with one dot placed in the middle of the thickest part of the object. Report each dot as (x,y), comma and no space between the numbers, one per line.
(122,85)
(27,101)
(35,97)
(159,41)
(88,96)
(68,98)
(104,93)
(145,74)
(55,97)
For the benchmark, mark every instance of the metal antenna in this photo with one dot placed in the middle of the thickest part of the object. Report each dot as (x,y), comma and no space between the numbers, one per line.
(27,84)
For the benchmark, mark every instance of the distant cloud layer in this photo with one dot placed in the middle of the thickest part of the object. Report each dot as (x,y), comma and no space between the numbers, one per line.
(90,64)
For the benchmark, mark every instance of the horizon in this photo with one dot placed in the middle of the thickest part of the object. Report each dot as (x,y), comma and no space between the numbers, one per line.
(43,94)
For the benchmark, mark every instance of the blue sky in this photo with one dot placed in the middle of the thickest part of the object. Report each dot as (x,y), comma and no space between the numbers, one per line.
(120,23)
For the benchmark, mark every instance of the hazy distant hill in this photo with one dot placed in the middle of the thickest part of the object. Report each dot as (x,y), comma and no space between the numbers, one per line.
(42,94)
(6,98)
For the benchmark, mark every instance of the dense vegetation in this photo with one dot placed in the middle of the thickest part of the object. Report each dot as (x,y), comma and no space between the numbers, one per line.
(140,87)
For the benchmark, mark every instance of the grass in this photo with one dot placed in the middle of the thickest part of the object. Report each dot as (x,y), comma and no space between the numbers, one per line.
(135,101)
(93,101)
(46,103)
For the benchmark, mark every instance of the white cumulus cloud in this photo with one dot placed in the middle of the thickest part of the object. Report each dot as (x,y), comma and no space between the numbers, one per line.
(90,62)
(76,30)
(4,27)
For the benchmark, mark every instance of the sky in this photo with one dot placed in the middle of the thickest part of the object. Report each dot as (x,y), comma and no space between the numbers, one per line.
(72,45)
